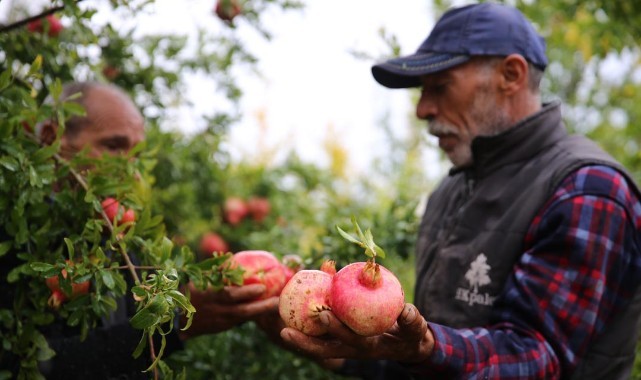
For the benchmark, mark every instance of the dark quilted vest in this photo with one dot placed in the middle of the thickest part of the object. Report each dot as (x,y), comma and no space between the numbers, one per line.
(475,223)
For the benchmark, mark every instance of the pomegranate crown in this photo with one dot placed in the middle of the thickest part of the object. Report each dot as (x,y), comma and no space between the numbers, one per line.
(364,240)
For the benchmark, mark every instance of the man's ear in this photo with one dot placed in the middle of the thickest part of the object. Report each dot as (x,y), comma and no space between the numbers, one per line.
(48,131)
(514,74)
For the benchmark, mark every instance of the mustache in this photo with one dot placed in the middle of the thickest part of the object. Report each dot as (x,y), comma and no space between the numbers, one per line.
(437,128)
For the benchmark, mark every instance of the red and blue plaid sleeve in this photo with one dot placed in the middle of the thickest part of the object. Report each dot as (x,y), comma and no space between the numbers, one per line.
(581,264)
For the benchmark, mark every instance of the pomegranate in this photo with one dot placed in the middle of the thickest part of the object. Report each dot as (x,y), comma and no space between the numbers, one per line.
(261,267)
(212,244)
(304,297)
(110,72)
(258,208)
(128,216)
(227,10)
(235,210)
(367,297)
(111,208)
(55,26)
(58,297)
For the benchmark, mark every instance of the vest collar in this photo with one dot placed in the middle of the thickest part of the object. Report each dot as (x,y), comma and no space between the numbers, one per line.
(523,140)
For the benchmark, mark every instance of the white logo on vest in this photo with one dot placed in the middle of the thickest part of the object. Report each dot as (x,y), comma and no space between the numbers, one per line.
(477,276)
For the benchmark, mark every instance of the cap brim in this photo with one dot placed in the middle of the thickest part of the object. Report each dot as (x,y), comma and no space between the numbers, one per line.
(405,72)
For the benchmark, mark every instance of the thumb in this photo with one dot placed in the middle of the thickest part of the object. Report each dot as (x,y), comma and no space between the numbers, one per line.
(411,322)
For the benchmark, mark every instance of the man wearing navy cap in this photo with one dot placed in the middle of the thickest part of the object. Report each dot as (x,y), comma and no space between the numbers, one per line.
(529,254)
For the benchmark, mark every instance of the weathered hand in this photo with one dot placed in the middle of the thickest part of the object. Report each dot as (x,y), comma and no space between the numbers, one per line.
(223,309)
(409,340)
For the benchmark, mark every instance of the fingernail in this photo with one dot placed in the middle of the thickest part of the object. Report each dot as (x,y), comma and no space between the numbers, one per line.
(324,319)
(411,315)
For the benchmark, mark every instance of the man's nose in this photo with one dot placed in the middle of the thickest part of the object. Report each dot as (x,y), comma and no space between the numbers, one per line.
(426,108)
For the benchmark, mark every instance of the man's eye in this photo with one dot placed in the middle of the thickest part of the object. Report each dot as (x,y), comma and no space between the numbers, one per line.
(115,144)
(112,146)
(437,88)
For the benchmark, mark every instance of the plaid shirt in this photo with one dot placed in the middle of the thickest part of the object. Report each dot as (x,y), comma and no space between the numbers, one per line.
(582,263)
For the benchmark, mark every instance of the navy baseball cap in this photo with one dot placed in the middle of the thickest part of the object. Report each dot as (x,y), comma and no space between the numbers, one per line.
(487,29)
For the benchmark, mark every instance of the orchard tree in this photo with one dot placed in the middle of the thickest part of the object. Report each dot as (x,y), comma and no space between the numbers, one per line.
(64,258)
(68,259)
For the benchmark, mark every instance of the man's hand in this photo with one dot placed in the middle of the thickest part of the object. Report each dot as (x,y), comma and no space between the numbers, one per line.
(223,309)
(409,340)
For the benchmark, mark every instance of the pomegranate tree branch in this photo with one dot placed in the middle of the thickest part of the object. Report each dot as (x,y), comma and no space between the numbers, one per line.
(152,355)
(81,180)
(20,23)
(123,253)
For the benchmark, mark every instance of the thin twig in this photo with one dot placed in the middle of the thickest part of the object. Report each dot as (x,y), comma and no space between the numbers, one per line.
(110,226)
(152,355)
(27,20)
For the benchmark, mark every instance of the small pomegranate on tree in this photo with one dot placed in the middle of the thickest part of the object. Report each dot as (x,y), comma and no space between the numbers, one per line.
(261,267)
(58,296)
(305,296)
(112,207)
(212,244)
(110,72)
(227,10)
(259,208)
(366,296)
(38,25)
(235,210)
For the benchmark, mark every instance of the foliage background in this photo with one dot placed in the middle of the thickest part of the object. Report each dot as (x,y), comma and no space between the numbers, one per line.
(596,73)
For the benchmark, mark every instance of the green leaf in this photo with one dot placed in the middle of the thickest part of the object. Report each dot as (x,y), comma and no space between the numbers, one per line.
(41,267)
(34,178)
(358,229)
(139,291)
(73,108)
(9,163)
(151,314)
(55,89)
(366,240)
(379,252)
(5,79)
(163,344)
(144,319)
(45,353)
(46,152)
(141,345)
(70,248)
(190,318)
(181,300)
(75,317)
(36,65)
(108,279)
(348,236)
(5,247)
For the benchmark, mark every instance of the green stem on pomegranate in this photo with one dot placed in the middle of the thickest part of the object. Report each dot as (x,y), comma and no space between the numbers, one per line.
(365,240)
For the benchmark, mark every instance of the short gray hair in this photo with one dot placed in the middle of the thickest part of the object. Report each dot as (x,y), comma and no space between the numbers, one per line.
(534,73)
